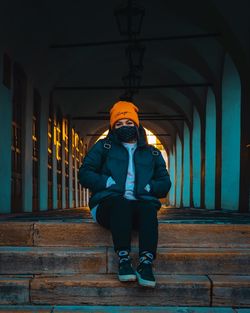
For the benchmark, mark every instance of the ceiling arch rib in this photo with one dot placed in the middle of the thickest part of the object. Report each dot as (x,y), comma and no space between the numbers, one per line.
(187,91)
(164,105)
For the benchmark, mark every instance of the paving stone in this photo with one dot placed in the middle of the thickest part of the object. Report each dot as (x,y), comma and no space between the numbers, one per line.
(14,290)
(25,309)
(35,260)
(106,289)
(192,261)
(230,290)
(139,309)
(16,234)
(111,309)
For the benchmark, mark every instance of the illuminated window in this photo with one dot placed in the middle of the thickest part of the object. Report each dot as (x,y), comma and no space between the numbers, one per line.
(50,158)
(57,139)
(58,144)
(65,137)
(77,156)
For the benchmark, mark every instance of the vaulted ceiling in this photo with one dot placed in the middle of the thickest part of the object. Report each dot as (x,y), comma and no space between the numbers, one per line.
(29,28)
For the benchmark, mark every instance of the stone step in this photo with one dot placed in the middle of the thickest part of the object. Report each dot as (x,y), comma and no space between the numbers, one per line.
(14,290)
(114,309)
(105,289)
(93,289)
(86,233)
(70,260)
(230,290)
(36,260)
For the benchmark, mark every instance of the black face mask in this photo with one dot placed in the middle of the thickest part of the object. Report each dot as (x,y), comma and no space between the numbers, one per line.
(126,133)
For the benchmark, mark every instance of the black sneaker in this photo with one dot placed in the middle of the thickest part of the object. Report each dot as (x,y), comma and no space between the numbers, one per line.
(144,271)
(126,271)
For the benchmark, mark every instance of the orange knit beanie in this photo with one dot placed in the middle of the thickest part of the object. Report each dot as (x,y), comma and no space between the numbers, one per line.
(124,109)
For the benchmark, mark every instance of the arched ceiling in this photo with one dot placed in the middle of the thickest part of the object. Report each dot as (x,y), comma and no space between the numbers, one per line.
(28,29)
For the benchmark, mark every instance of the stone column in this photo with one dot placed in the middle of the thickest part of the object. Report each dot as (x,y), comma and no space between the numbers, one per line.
(54,163)
(28,148)
(70,166)
(76,186)
(63,172)
(43,153)
(80,198)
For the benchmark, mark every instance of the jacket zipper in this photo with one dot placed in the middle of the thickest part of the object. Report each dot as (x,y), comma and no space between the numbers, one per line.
(124,184)
(135,185)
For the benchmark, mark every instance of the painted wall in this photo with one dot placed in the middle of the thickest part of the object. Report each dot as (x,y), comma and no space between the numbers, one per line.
(196,150)
(186,167)
(231,111)
(5,144)
(210,151)
(172,177)
(178,171)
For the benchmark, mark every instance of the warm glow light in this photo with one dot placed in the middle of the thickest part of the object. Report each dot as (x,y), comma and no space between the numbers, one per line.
(73,138)
(55,133)
(76,141)
(65,128)
(103,135)
(57,138)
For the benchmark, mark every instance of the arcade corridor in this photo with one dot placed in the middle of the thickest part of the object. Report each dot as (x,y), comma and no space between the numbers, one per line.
(63,68)
(186,65)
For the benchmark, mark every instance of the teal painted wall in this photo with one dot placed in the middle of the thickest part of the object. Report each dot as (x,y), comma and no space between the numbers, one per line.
(172,177)
(5,144)
(210,151)
(196,150)
(186,167)
(231,112)
(178,170)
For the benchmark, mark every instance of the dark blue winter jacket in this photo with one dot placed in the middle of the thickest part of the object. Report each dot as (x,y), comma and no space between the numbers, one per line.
(100,163)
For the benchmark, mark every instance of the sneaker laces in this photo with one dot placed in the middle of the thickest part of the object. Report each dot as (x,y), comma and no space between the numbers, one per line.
(123,255)
(146,258)
(145,266)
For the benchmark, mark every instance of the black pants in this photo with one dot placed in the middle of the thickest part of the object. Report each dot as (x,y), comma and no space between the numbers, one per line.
(121,215)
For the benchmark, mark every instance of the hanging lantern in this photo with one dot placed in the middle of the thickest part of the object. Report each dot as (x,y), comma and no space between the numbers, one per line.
(135,54)
(129,19)
(127,96)
(132,82)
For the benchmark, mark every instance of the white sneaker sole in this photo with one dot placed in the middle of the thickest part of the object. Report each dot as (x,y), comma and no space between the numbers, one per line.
(145,283)
(129,277)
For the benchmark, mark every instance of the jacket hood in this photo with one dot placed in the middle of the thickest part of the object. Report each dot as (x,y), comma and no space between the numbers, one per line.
(141,140)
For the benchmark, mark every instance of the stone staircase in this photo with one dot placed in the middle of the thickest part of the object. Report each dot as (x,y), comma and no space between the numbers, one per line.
(66,263)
